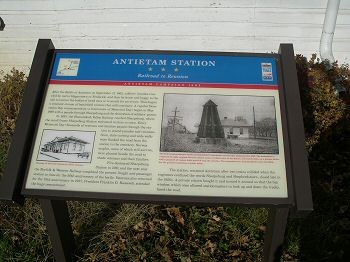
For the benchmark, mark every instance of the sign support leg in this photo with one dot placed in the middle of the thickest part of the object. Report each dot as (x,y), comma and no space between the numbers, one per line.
(59,228)
(276,227)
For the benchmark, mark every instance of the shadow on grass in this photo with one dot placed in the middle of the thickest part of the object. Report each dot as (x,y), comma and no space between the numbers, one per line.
(86,228)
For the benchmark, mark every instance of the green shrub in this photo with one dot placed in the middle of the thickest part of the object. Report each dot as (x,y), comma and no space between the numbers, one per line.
(322,105)
(11,92)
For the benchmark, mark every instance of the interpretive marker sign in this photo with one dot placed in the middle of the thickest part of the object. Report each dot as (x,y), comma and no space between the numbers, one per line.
(141,123)
(160,126)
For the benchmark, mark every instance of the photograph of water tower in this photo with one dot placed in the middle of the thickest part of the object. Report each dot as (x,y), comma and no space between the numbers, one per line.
(229,124)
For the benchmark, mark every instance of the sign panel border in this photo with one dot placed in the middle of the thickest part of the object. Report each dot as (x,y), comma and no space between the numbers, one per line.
(172,199)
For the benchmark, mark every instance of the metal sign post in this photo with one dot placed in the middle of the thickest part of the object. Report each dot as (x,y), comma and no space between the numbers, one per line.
(59,228)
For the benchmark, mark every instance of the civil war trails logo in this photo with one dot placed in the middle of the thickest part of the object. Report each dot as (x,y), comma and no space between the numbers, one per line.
(266,69)
(68,67)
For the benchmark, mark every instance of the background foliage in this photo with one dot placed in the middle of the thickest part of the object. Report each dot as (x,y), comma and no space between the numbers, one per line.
(11,91)
(110,232)
(326,102)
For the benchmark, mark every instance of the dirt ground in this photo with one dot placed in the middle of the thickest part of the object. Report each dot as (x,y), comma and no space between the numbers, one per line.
(175,142)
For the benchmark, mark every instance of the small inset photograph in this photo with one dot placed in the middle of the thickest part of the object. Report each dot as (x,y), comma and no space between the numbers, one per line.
(66,146)
(219,124)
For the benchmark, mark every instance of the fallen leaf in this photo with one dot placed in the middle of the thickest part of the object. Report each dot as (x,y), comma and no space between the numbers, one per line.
(123,240)
(235,253)
(262,228)
(144,255)
(226,234)
(211,246)
(15,238)
(162,240)
(343,209)
(139,226)
(165,254)
(140,236)
(122,245)
(151,226)
(216,218)
(175,211)
(244,239)
(288,257)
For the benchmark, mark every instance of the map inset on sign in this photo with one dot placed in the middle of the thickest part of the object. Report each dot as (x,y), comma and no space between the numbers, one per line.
(68,67)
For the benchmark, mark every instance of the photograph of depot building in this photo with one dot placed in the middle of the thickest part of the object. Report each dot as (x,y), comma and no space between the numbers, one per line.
(219,124)
(66,146)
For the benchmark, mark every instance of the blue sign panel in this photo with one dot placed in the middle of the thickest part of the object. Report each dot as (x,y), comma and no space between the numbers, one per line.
(175,68)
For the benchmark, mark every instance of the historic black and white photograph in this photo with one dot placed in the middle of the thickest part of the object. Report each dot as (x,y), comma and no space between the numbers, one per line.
(219,124)
(66,146)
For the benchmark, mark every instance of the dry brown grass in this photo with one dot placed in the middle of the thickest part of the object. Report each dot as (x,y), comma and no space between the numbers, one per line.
(114,234)
(24,233)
